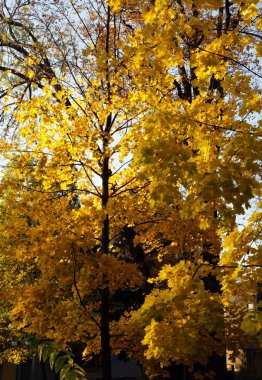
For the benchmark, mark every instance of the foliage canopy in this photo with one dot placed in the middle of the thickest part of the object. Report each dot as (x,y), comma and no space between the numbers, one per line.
(130,144)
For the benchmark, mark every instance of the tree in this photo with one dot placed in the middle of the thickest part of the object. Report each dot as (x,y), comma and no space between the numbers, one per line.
(200,82)
(130,143)
(90,113)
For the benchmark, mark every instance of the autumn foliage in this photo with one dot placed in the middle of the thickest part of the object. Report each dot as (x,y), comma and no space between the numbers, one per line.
(130,147)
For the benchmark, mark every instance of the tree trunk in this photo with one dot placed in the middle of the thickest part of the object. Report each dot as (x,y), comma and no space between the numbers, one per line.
(104,293)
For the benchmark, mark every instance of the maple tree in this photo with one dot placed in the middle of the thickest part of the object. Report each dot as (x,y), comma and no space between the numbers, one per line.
(131,144)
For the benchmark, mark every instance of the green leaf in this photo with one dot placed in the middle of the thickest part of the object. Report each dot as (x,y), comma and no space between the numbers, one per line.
(77,366)
(81,374)
(33,344)
(64,371)
(40,351)
(72,375)
(52,359)
(60,362)
(46,352)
